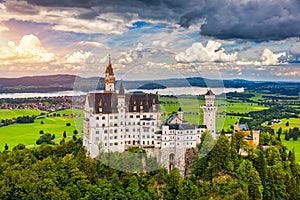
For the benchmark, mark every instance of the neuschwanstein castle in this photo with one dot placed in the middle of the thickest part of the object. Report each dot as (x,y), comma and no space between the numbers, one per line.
(117,120)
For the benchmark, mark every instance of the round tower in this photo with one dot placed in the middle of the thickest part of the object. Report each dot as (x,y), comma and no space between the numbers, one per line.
(210,110)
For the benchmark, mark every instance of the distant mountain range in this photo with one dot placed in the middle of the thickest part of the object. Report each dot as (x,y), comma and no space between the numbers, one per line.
(63,82)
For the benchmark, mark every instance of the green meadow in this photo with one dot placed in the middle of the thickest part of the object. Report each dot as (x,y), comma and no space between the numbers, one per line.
(291,144)
(293,122)
(194,114)
(27,134)
(9,114)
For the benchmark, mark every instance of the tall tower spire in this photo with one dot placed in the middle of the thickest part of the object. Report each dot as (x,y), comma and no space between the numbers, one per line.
(109,77)
(209,110)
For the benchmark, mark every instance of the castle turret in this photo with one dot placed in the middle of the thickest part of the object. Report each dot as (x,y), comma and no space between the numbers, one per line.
(180,114)
(209,111)
(109,78)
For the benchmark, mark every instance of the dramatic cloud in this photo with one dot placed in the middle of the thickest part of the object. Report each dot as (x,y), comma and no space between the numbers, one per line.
(269,58)
(247,19)
(29,50)
(30,55)
(212,52)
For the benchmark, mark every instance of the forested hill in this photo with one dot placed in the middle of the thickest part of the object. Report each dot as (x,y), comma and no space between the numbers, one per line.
(65,172)
(53,83)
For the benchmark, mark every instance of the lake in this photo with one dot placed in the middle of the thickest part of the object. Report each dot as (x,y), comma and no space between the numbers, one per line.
(166,91)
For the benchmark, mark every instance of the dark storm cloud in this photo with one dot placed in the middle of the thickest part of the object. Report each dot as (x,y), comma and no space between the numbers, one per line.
(244,19)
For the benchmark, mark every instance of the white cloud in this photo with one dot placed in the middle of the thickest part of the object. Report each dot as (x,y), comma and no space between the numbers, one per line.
(131,55)
(30,55)
(212,52)
(270,58)
(29,50)
(290,73)
(3,28)
(78,57)
(92,44)
(267,58)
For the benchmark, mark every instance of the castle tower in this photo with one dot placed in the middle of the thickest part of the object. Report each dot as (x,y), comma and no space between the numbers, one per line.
(209,110)
(180,114)
(109,78)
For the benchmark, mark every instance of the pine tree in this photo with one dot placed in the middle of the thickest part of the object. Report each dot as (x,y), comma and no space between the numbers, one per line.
(6,147)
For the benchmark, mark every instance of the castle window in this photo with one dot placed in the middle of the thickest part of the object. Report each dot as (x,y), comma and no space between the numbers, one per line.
(138,123)
(143,142)
(121,143)
(144,116)
(110,117)
(110,144)
(97,118)
(116,131)
(137,116)
(97,138)
(121,136)
(97,132)
(133,130)
(116,117)
(121,123)
(110,131)
(103,117)
(131,116)
(105,138)
(103,125)
(127,130)
(151,116)
(133,123)
(105,131)
(115,124)
(105,144)
(152,142)
(116,137)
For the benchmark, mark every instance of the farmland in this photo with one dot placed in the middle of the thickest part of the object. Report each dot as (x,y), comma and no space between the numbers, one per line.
(27,134)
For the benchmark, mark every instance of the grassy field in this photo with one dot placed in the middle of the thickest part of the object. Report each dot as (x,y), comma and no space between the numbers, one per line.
(27,134)
(9,114)
(291,144)
(293,122)
(193,114)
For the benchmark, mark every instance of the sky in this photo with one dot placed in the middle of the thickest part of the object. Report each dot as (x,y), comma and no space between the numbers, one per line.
(151,39)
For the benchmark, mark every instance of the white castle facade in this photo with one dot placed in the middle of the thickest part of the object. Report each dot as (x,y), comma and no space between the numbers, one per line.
(114,121)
